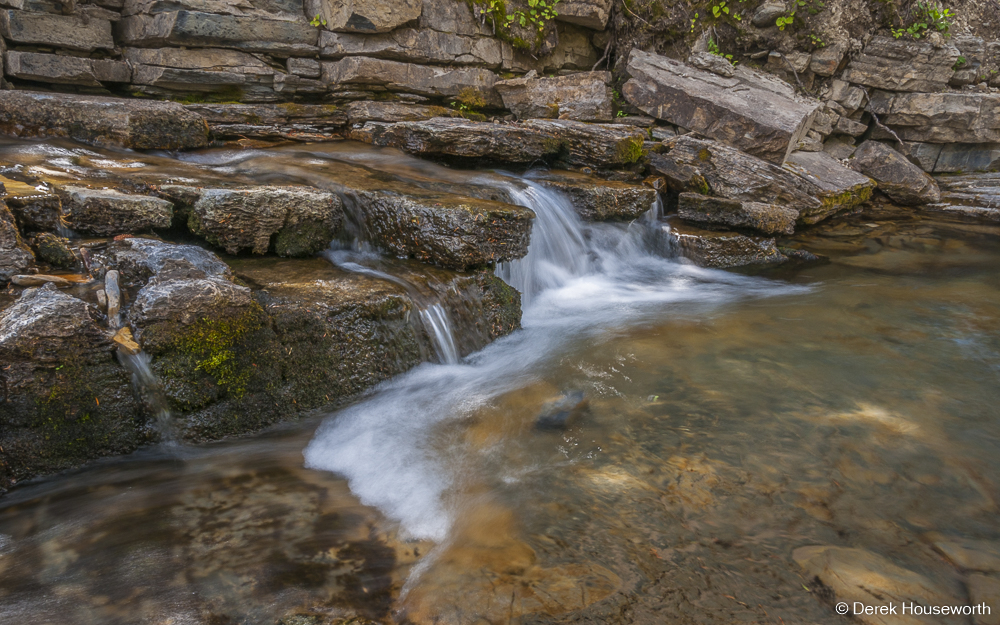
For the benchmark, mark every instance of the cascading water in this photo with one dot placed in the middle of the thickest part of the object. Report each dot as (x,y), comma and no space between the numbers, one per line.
(575,280)
(149,388)
(557,252)
(438,326)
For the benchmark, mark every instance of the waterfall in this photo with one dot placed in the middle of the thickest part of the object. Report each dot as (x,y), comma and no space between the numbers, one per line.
(557,251)
(438,326)
(150,389)
(433,317)
(576,281)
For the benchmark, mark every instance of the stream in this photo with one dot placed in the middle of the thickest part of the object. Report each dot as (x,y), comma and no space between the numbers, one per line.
(650,447)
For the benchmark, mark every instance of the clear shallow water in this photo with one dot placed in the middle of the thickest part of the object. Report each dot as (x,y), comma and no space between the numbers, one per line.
(730,418)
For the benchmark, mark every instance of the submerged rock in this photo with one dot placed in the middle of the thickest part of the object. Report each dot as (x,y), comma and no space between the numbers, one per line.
(15,256)
(709,248)
(106,212)
(135,124)
(752,112)
(856,575)
(576,143)
(66,400)
(898,178)
(563,412)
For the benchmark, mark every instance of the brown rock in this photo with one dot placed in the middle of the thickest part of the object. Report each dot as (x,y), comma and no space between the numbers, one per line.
(585,96)
(708,248)
(713,211)
(15,256)
(600,200)
(106,212)
(357,16)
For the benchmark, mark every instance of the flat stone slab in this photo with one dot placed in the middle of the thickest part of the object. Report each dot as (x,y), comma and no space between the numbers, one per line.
(837,187)
(600,200)
(747,111)
(591,14)
(414,45)
(72,32)
(576,143)
(585,96)
(938,117)
(903,65)
(812,183)
(106,212)
(66,70)
(191,28)
(898,178)
(720,212)
(269,121)
(115,122)
(372,111)
(720,250)
(291,221)
(440,82)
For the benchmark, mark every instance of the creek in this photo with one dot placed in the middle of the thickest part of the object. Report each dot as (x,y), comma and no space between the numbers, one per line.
(711,422)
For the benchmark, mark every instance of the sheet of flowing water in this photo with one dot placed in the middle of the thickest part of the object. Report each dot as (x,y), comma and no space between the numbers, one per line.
(730,419)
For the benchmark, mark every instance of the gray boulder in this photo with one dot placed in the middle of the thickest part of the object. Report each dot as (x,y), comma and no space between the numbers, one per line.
(591,14)
(576,143)
(939,117)
(279,37)
(898,178)
(72,32)
(414,45)
(66,399)
(135,124)
(66,70)
(357,16)
(473,86)
(715,212)
(748,111)
(291,221)
(768,13)
(106,212)
(585,96)
(15,256)
(903,65)
(720,250)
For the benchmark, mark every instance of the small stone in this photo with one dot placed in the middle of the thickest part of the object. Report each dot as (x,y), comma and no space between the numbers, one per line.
(768,13)
(712,63)
(39,279)
(826,60)
(126,344)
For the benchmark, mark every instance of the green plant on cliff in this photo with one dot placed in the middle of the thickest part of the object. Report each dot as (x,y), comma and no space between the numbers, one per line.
(535,16)
(317,21)
(927,18)
(713,48)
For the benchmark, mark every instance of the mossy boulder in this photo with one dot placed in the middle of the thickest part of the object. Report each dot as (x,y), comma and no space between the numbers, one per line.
(53,250)
(65,398)
(212,350)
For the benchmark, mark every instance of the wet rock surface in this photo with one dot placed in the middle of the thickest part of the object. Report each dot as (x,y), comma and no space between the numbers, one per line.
(15,256)
(709,248)
(66,399)
(719,212)
(107,212)
(599,200)
(291,221)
